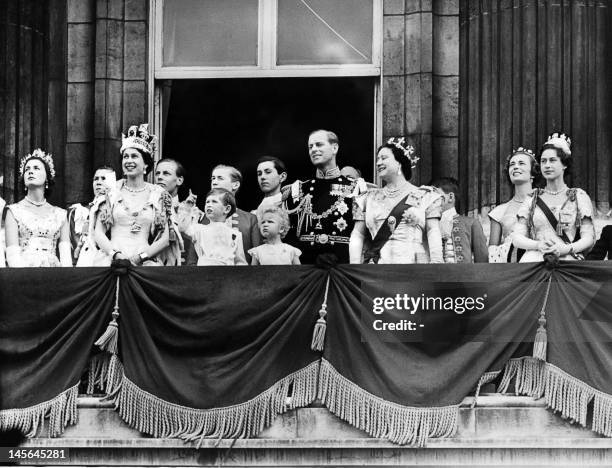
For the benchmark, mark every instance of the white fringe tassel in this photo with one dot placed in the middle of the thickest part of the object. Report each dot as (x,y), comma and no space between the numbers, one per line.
(61,411)
(380,418)
(152,415)
(486,378)
(562,392)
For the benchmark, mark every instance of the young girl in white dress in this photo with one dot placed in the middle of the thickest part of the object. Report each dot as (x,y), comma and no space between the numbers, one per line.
(274,225)
(216,243)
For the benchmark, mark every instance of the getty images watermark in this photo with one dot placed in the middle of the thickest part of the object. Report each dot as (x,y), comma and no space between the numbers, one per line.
(414,305)
(428,311)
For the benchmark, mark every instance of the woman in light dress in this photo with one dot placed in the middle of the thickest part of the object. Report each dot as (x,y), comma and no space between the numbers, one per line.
(399,223)
(134,220)
(37,231)
(555,220)
(522,170)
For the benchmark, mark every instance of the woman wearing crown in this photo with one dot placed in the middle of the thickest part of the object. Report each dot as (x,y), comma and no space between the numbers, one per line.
(399,223)
(557,219)
(35,229)
(521,170)
(134,220)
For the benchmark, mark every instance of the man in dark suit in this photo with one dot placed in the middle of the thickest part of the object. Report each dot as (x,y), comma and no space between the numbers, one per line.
(230,178)
(603,247)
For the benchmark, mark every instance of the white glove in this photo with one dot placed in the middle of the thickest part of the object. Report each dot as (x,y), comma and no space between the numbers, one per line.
(13,257)
(65,254)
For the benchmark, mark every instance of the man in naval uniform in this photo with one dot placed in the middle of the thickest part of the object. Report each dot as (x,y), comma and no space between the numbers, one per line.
(321,209)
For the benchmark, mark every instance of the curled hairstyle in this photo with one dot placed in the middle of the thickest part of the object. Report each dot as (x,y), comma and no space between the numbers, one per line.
(282,216)
(180,170)
(226,197)
(146,157)
(535,172)
(49,181)
(566,159)
(400,157)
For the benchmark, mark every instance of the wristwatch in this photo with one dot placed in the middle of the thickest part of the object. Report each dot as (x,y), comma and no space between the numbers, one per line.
(143,256)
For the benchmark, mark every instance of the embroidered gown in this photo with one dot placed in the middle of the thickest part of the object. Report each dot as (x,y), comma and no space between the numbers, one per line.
(569,214)
(408,241)
(131,229)
(505,215)
(38,235)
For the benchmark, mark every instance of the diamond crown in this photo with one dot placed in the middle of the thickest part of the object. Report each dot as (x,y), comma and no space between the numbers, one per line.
(138,137)
(38,154)
(408,150)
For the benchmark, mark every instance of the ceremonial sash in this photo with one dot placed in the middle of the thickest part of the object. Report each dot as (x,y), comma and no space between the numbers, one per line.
(372,250)
(554,223)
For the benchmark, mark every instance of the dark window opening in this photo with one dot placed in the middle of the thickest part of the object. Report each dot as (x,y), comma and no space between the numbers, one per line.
(236,121)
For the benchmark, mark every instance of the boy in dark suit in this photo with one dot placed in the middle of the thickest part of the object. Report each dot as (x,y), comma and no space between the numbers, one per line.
(462,237)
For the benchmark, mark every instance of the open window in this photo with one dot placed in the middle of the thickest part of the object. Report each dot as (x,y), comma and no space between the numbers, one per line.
(209,104)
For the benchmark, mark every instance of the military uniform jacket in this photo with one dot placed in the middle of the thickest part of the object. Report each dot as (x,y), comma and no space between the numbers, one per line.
(321,216)
(468,241)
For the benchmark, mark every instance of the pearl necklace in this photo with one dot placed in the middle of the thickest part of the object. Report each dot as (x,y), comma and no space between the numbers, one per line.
(550,192)
(144,187)
(34,202)
(392,193)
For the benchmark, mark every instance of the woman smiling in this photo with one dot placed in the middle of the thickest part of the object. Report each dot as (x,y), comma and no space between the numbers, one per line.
(557,219)
(399,222)
(136,214)
(522,170)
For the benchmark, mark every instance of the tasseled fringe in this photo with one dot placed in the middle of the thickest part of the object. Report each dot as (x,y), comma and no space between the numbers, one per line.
(109,339)
(562,393)
(318,334)
(540,341)
(97,372)
(61,411)
(484,379)
(152,415)
(528,375)
(380,418)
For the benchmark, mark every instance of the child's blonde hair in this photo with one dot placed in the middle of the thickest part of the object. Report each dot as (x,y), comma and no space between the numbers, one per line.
(282,215)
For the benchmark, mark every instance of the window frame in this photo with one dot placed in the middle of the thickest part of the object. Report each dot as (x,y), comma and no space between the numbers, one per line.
(267,41)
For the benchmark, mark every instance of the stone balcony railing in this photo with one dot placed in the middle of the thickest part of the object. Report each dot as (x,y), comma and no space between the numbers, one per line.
(503,430)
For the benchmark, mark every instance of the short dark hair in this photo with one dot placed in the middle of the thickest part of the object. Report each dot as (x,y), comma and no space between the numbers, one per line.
(534,170)
(331,136)
(400,157)
(180,170)
(105,168)
(49,182)
(566,159)
(278,164)
(448,184)
(146,157)
(227,198)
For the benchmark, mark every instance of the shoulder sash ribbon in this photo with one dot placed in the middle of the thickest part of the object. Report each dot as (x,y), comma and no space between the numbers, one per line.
(372,251)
